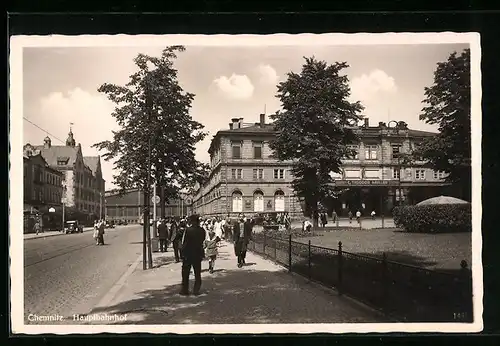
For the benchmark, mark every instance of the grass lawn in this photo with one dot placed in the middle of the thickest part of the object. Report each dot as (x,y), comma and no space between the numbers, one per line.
(432,251)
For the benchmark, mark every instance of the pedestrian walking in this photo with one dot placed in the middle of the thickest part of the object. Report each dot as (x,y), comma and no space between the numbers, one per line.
(192,255)
(350,216)
(100,235)
(323,219)
(373,214)
(334,216)
(210,247)
(241,236)
(37,227)
(95,235)
(358,216)
(177,240)
(163,235)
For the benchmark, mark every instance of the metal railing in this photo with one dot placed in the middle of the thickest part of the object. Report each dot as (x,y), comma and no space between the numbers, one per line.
(407,293)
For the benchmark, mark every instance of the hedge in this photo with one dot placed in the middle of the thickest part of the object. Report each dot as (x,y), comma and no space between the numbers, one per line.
(438,218)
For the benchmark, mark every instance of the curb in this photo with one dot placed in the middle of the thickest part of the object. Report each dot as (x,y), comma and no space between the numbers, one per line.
(108,297)
(53,235)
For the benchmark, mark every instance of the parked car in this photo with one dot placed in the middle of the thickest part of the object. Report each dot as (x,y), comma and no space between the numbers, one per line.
(73,226)
(125,222)
(110,224)
(119,222)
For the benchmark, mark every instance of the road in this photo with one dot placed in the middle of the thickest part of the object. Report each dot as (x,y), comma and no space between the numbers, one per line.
(69,274)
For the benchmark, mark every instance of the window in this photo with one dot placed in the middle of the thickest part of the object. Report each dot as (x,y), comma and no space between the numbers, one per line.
(396,149)
(370,152)
(356,154)
(61,162)
(236,149)
(258,173)
(257,150)
(237,202)
(396,173)
(420,174)
(279,201)
(438,174)
(237,173)
(279,174)
(258,201)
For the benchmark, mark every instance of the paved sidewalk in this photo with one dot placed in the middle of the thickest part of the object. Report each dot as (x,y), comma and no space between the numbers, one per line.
(29,236)
(260,292)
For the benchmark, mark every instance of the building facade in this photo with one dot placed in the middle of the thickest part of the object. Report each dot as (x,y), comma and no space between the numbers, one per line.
(130,206)
(42,189)
(82,181)
(245,178)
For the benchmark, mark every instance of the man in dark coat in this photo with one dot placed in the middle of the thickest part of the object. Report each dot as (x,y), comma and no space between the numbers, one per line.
(192,255)
(242,233)
(163,235)
(176,238)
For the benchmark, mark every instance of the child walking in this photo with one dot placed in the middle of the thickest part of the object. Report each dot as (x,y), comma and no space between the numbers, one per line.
(210,246)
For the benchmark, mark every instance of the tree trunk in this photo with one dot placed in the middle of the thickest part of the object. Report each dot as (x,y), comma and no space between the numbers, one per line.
(162,202)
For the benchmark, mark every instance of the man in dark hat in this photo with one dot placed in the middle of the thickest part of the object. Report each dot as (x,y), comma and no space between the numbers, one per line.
(192,254)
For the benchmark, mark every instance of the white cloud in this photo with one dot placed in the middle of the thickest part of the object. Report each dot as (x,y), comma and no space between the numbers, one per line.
(371,85)
(235,87)
(268,74)
(91,115)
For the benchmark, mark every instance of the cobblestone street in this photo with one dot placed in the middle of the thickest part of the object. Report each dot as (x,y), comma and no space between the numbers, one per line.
(68,274)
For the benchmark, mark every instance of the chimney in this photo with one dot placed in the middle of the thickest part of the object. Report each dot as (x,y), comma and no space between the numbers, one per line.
(262,120)
(235,122)
(240,123)
(230,126)
(366,122)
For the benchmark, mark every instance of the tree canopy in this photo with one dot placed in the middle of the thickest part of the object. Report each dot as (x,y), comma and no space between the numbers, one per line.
(448,104)
(152,111)
(315,127)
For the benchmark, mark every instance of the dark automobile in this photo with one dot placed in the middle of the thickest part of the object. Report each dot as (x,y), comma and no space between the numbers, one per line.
(125,222)
(73,227)
(119,222)
(110,224)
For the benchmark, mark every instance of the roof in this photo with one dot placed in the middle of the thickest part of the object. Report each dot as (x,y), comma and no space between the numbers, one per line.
(57,152)
(418,133)
(268,128)
(91,162)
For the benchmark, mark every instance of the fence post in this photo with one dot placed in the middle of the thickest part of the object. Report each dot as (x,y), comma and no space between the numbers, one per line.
(309,258)
(339,285)
(290,253)
(383,221)
(385,283)
(275,246)
(264,245)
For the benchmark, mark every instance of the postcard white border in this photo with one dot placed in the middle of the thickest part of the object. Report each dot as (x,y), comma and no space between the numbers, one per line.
(17,43)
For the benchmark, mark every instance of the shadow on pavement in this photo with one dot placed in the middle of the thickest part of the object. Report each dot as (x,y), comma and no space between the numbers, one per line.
(238,296)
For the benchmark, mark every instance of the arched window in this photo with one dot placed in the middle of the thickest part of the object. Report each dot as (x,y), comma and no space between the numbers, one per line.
(279,201)
(237,198)
(258,201)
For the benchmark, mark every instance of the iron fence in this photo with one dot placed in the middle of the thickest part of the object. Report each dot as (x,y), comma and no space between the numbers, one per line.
(407,293)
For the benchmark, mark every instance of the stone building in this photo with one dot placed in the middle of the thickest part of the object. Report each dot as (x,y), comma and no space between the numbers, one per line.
(42,189)
(130,205)
(83,184)
(245,178)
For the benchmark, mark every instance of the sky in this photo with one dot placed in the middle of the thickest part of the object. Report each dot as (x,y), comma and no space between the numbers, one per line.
(60,85)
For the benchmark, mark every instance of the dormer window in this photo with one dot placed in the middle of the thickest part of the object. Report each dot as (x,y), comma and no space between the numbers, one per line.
(62,161)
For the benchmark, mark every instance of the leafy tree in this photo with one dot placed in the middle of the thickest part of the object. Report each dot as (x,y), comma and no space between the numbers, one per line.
(313,130)
(152,111)
(448,104)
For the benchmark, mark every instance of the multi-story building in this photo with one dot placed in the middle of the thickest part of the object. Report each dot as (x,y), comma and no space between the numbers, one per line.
(130,206)
(245,178)
(83,184)
(42,187)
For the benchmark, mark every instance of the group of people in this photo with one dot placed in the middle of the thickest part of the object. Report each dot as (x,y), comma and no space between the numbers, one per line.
(201,239)
(99,226)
